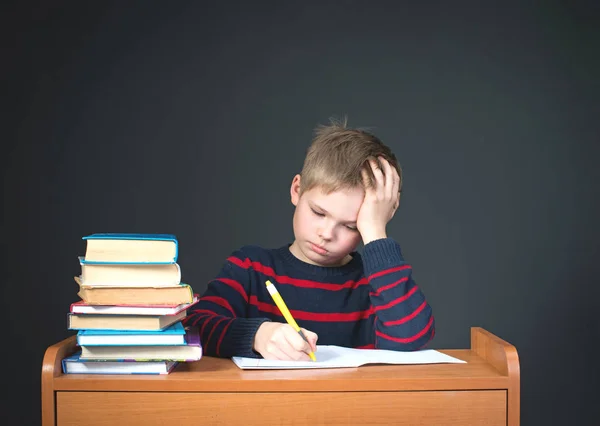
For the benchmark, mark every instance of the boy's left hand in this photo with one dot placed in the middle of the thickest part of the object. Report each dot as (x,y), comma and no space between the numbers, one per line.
(381,201)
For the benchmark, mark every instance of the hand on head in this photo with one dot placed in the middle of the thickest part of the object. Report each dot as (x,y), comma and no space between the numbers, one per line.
(274,340)
(381,201)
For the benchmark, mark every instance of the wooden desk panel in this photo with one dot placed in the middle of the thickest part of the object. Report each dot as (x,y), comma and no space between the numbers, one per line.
(216,390)
(459,408)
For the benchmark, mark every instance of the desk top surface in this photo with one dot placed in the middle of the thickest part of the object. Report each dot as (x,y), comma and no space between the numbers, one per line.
(222,375)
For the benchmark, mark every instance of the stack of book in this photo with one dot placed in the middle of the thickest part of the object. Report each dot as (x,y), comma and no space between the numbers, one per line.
(129,318)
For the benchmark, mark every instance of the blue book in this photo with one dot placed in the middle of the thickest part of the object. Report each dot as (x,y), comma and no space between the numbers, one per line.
(191,351)
(172,335)
(110,248)
(75,365)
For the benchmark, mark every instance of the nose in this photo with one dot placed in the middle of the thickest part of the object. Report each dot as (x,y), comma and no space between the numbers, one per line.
(325,231)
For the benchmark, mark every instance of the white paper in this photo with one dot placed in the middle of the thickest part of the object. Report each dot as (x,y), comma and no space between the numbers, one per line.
(340,357)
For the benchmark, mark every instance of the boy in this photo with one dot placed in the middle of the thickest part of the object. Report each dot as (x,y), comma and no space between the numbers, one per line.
(348,190)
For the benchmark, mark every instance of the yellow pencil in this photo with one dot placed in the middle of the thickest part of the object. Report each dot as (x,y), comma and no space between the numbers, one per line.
(286,313)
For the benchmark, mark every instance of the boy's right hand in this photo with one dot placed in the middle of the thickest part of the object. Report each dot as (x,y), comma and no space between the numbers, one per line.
(275,340)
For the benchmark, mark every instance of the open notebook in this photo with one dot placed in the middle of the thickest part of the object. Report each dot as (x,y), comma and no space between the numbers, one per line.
(339,357)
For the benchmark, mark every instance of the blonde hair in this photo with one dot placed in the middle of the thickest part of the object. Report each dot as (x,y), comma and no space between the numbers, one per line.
(337,154)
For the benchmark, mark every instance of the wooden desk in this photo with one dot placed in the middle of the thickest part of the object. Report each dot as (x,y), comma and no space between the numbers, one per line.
(214,391)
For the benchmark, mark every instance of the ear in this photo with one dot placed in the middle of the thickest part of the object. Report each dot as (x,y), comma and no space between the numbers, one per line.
(295,190)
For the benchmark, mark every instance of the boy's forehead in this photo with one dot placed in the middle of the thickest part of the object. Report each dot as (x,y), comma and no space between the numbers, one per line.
(342,199)
(356,191)
(323,192)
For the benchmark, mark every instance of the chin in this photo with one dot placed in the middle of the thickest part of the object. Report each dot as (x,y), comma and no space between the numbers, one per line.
(318,259)
(326,260)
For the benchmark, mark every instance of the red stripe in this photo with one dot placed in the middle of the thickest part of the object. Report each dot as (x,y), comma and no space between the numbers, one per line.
(430,339)
(406,318)
(283,279)
(206,323)
(313,316)
(234,285)
(197,317)
(219,301)
(398,300)
(389,271)
(222,335)
(201,311)
(213,330)
(406,339)
(369,346)
(387,287)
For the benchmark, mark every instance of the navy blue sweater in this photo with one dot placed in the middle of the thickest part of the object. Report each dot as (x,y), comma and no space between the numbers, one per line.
(371,302)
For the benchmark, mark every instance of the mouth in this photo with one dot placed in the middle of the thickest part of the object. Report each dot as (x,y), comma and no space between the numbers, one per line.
(317,249)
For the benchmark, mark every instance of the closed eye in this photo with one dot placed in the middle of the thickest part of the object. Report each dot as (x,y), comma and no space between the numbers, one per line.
(317,213)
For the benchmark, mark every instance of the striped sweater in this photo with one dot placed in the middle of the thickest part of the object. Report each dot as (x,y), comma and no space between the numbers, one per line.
(371,302)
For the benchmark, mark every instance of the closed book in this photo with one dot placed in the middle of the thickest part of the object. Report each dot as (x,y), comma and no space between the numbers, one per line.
(75,365)
(131,248)
(80,307)
(130,274)
(122,322)
(191,351)
(172,335)
(177,294)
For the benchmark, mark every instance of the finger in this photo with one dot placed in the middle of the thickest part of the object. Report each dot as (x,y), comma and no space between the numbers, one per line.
(392,181)
(291,353)
(312,339)
(388,171)
(395,185)
(396,181)
(274,352)
(296,341)
(365,178)
(375,167)
(377,173)
(369,182)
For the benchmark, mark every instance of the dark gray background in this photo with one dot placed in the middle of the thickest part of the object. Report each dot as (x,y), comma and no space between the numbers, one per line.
(191,118)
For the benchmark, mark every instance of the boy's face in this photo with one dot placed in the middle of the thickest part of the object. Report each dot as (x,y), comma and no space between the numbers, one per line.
(325,224)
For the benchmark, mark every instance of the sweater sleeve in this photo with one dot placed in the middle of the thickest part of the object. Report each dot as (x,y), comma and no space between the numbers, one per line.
(220,313)
(403,318)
